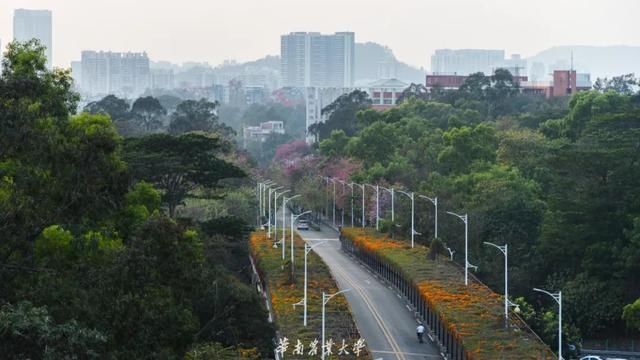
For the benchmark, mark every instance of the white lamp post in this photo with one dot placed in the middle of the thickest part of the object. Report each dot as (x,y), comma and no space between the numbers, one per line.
(284,222)
(327,195)
(265,186)
(325,300)
(411,196)
(363,195)
(464,219)
(271,191)
(275,212)
(334,199)
(307,250)
(293,219)
(344,184)
(392,192)
(505,251)
(377,188)
(558,298)
(434,201)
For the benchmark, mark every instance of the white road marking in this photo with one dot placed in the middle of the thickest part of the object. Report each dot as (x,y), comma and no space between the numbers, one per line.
(408,308)
(406,353)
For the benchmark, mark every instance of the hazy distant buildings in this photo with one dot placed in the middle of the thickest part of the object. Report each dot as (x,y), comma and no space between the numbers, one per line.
(466,61)
(162,79)
(261,133)
(384,93)
(316,60)
(123,74)
(34,24)
(564,83)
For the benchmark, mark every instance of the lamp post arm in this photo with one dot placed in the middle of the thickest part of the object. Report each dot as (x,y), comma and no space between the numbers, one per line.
(501,248)
(329,297)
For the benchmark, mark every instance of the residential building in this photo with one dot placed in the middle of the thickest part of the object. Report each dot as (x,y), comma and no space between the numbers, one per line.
(317,60)
(384,93)
(465,61)
(261,132)
(76,73)
(162,79)
(34,24)
(123,74)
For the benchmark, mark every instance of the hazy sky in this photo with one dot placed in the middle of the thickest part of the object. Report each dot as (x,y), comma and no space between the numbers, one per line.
(215,30)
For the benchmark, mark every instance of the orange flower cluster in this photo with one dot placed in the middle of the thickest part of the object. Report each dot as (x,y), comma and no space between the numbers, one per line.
(473,314)
(285,291)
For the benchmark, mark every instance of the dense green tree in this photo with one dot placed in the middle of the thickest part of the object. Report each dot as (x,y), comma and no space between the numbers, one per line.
(178,164)
(465,145)
(169,102)
(341,115)
(147,113)
(29,332)
(199,115)
(624,84)
(116,108)
(631,315)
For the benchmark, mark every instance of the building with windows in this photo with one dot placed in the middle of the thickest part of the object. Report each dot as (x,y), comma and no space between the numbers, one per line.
(564,83)
(261,133)
(317,60)
(384,93)
(123,74)
(465,61)
(34,24)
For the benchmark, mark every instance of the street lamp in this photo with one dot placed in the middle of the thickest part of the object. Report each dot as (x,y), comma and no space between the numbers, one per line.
(464,219)
(307,250)
(363,195)
(275,212)
(413,217)
(294,218)
(377,204)
(558,298)
(266,185)
(325,300)
(284,222)
(392,192)
(272,191)
(344,184)
(325,178)
(504,250)
(334,199)
(434,201)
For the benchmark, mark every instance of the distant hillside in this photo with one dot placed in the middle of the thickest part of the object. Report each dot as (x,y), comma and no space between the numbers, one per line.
(600,61)
(370,55)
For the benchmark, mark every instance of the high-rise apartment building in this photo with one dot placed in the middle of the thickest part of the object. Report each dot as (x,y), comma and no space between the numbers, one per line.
(316,60)
(123,74)
(466,61)
(34,24)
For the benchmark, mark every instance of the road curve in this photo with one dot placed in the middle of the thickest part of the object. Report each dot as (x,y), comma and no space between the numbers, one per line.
(384,318)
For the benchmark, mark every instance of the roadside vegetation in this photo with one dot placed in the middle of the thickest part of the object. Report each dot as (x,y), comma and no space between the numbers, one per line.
(286,289)
(99,257)
(555,179)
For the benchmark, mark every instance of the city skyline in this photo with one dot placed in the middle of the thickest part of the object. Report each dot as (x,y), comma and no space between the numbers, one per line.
(247,35)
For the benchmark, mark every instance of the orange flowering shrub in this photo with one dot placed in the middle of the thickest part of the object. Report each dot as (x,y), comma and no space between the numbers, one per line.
(473,314)
(284,293)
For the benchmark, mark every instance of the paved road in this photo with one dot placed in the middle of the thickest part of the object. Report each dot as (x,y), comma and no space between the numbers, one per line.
(383,317)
